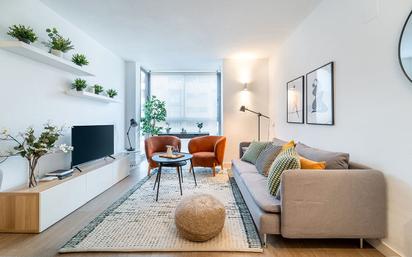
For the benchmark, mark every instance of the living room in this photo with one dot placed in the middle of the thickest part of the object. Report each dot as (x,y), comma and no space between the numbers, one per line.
(194,128)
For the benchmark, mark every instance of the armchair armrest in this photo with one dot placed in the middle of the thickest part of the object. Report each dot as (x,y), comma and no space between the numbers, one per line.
(333,204)
(220,150)
(241,145)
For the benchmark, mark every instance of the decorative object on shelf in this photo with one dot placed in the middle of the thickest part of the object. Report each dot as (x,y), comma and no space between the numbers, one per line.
(79,84)
(319,96)
(22,33)
(295,100)
(405,48)
(199,126)
(33,148)
(183,131)
(154,112)
(133,124)
(91,96)
(57,43)
(111,93)
(244,109)
(98,89)
(168,128)
(80,59)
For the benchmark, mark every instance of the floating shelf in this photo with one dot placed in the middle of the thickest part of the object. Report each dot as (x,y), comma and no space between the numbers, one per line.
(39,55)
(92,96)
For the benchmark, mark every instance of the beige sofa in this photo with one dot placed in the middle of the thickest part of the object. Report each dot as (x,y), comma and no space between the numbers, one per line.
(347,201)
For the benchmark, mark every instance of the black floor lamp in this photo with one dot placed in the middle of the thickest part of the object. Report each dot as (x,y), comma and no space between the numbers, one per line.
(244,109)
(133,124)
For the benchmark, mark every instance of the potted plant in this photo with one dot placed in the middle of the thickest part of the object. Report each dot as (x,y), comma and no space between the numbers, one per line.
(111,93)
(33,148)
(79,84)
(199,126)
(22,33)
(154,112)
(80,59)
(98,89)
(57,43)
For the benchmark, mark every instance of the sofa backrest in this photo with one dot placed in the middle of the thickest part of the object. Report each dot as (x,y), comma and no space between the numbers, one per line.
(334,160)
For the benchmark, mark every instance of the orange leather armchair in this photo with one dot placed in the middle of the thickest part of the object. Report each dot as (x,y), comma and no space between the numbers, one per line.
(207,151)
(157,144)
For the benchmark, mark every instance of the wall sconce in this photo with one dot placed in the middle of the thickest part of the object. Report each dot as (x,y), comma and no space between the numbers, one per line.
(245,87)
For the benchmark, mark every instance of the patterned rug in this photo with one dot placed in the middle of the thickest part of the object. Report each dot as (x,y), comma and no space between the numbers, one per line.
(137,223)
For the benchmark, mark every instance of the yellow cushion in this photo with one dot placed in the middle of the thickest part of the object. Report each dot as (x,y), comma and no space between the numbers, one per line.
(288,145)
(307,164)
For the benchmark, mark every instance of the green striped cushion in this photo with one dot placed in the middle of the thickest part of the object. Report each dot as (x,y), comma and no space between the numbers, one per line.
(287,159)
(252,153)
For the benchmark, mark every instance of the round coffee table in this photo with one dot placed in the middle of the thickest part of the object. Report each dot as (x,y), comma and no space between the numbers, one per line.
(167,162)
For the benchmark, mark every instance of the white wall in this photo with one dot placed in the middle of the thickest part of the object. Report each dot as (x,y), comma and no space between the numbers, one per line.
(239,126)
(372,96)
(33,93)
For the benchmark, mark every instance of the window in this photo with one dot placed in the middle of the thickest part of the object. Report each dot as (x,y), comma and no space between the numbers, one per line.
(190,98)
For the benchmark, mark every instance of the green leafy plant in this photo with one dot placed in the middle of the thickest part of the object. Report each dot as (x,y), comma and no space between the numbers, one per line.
(98,89)
(80,59)
(22,33)
(79,84)
(111,93)
(32,148)
(199,126)
(57,41)
(154,112)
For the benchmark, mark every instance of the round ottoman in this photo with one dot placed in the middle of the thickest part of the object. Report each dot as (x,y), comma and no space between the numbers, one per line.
(200,217)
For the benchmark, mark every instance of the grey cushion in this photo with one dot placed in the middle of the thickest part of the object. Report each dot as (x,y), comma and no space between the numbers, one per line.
(266,158)
(256,184)
(334,160)
(278,142)
(242,167)
(244,149)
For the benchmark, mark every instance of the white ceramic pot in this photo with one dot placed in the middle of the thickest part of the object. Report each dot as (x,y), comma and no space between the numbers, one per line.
(57,53)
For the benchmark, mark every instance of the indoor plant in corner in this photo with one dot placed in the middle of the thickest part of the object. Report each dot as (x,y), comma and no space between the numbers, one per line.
(79,84)
(22,33)
(57,43)
(33,148)
(154,112)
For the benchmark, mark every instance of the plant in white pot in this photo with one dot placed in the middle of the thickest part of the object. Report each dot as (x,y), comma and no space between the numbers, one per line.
(22,33)
(57,43)
(33,148)
(79,84)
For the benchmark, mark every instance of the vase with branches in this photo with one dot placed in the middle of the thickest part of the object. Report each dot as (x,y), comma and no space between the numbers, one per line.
(32,147)
(154,113)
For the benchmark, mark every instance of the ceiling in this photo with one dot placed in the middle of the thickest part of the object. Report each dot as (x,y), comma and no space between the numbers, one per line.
(185,34)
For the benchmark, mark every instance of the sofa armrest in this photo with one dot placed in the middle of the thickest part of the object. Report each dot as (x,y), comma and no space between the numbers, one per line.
(243,144)
(333,204)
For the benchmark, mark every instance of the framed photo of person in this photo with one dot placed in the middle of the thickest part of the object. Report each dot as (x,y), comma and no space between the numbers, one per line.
(319,96)
(295,100)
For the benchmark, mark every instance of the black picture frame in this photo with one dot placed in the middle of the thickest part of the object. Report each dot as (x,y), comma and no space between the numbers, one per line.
(300,119)
(327,104)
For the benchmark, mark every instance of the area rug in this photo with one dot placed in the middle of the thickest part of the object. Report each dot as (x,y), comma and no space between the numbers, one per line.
(137,223)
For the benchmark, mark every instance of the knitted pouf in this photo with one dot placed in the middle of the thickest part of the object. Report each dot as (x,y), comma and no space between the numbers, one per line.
(200,217)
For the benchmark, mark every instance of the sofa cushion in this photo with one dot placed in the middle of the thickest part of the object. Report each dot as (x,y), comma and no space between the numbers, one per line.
(252,153)
(242,167)
(266,158)
(286,160)
(256,185)
(306,164)
(334,160)
(278,142)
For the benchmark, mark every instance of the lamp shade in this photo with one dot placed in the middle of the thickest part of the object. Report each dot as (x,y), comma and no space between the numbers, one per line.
(133,123)
(242,108)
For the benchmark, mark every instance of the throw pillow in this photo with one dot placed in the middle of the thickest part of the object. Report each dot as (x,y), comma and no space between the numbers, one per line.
(286,160)
(266,158)
(288,145)
(252,153)
(307,164)
(334,160)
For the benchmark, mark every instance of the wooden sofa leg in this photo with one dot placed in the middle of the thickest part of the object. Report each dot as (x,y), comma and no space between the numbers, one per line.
(148,171)
(361,243)
(214,170)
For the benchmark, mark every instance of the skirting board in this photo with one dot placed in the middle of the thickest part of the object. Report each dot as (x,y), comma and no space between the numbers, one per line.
(383,248)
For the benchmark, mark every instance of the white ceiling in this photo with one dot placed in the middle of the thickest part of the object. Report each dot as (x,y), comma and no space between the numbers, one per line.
(185,34)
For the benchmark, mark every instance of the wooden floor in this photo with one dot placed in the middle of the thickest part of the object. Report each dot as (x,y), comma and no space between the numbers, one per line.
(48,242)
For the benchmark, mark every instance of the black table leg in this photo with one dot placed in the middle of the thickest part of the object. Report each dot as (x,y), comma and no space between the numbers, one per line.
(180,181)
(158,182)
(193,171)
(157,177)
(181,173)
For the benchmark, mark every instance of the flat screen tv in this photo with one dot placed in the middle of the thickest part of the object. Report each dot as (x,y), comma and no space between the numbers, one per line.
(91,143)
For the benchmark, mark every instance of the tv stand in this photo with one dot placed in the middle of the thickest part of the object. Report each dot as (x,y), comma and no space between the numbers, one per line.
(32,210)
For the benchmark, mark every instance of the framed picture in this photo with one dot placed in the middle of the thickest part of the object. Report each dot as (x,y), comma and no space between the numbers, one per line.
(319,96)
(295,99)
